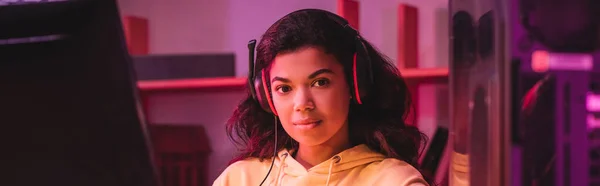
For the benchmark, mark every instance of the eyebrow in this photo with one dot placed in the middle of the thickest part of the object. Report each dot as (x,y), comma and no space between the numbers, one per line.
(311,76)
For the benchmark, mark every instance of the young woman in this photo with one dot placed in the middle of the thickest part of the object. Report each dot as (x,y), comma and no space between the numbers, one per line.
(323,108)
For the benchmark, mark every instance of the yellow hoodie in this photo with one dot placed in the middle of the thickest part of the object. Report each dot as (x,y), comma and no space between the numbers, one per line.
(355,166)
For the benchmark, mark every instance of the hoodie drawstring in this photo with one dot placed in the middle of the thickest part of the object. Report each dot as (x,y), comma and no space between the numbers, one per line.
(285,155)
(336,159)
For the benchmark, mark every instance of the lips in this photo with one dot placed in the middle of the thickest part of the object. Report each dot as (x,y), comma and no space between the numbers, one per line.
(307,122)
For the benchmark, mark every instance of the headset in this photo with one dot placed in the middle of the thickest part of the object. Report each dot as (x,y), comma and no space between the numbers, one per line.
(362,76)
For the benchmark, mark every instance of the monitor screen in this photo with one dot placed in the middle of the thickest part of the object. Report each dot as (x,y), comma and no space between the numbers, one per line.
(69,104)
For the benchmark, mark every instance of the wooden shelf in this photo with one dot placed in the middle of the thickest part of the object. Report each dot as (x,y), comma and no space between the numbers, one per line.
(198,84)
(425,75)
(433,75)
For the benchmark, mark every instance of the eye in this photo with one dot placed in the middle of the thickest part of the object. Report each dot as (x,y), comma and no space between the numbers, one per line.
(283,89)
(321,82)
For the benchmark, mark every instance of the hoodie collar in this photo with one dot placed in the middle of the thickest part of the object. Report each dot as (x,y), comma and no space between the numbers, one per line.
(345,160)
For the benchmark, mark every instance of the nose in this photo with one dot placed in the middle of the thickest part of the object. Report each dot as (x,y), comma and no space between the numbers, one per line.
(303,101)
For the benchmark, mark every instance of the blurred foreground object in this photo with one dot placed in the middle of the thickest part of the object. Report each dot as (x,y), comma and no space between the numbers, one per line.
(520,73)
(70,108)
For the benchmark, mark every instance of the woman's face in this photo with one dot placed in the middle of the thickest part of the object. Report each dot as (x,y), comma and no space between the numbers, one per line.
(311,96)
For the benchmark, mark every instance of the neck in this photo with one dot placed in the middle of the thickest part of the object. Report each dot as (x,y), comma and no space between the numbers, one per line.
(309,156)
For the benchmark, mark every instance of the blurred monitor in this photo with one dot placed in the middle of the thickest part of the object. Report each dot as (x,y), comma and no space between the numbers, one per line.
(69,106)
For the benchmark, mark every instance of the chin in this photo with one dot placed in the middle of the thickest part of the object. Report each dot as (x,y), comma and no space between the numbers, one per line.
(310,140)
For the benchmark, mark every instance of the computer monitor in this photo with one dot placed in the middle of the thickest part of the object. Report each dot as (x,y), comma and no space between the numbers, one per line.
(69,106)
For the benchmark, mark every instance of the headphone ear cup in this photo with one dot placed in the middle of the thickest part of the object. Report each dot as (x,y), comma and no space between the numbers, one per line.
(263,95)
(361,68)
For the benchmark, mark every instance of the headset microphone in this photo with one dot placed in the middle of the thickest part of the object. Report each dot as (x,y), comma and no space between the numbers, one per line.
(251,46)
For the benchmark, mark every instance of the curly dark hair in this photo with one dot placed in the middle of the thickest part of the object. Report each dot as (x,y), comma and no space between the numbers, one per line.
(380,122)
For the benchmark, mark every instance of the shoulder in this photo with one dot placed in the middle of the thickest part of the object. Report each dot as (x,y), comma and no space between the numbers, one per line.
(239,169)
(391,171)
(250,163)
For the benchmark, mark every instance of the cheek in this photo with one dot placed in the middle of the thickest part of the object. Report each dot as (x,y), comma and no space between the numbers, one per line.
(285,114)
(334,105)
(284,108)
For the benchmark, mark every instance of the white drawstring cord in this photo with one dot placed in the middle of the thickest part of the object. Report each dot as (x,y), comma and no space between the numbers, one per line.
(281,165)
(336,159)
